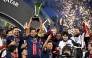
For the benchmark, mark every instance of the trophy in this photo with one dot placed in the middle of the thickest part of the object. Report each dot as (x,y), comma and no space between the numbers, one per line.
(37,10)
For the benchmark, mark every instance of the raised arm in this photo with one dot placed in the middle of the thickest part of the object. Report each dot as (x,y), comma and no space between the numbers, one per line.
(49,22)
(84,28)
(61,27)
(28,27)
(45,44)
(23,30)
(41,26)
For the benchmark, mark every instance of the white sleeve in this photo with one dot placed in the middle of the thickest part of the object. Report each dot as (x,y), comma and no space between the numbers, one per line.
(79,39)
(87,35)
(72,38)
(82,40)
(1,43)
(4,53)
(59,43)
(70,42)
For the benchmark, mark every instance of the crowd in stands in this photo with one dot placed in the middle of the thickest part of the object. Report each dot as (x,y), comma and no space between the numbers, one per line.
(71,11)
(74,12)
(35,43)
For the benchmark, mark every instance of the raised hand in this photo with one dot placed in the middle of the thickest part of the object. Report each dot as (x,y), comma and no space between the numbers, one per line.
(25,25)
(24,45)
(49,22)
(40,20)
(60,21)
(49,37)
(31,20)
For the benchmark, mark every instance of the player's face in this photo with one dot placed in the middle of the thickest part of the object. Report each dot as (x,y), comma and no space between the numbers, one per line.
(54,31)
(58,36)
(16,31)
(65,37)
(65,29)
(24,52)
(76,31)
(10,33)
(50,45)
(90,32)
(33,33)
(89,47)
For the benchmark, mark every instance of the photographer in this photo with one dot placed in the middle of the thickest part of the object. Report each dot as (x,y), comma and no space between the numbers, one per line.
(66,52)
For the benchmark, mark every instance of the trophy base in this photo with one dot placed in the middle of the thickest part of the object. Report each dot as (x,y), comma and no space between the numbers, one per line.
(35,18)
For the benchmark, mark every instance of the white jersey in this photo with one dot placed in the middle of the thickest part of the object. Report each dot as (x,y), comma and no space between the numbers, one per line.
(80,39)
(63,43)
(1,43)
(77,39)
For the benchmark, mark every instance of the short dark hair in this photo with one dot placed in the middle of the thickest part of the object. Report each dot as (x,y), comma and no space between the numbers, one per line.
(21,50)
(64,33)
(50,41)
(1,30)
(12,48)
(38,30)
(75,27)
(68,48)
(8,31)
(58,33)
(90,43)
(65,27)
(14,28)
(32,29)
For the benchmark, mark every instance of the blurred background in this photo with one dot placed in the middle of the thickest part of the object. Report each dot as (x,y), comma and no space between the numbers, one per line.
(72,12)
